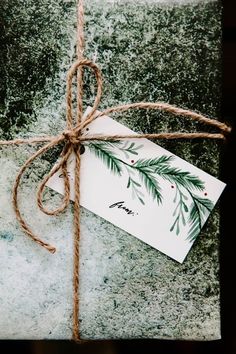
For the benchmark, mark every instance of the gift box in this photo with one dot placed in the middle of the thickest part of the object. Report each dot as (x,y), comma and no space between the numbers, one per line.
(147,51)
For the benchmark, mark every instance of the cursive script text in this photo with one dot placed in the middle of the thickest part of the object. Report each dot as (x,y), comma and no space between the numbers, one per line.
(121,205)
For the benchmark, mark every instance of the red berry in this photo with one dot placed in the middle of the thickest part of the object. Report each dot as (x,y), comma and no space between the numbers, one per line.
(132,161)
(172,187)
(205,193)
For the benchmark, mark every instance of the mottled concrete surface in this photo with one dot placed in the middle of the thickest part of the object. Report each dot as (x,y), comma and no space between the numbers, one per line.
(147,51)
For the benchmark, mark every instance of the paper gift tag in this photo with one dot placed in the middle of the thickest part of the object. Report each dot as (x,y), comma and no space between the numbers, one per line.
(143,189)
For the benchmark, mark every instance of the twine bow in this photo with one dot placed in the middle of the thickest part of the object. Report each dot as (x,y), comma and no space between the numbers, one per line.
(73,137)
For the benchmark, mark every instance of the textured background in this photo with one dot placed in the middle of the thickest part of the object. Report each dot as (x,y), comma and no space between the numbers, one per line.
(146,52)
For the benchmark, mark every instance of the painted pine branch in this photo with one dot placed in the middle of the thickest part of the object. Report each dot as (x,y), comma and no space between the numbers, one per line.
(151,184)
(180,210)
(199,211)
(148,171)
(136,189)
(107,156)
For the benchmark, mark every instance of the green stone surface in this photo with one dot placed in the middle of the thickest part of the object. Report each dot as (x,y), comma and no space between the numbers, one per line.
(147,51)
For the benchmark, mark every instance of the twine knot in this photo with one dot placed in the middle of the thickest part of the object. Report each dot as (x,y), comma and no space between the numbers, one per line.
(72,137)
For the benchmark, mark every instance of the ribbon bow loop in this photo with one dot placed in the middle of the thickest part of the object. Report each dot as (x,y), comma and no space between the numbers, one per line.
(69,112)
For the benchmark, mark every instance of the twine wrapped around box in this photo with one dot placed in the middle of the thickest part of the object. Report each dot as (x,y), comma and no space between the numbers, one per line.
(73,137)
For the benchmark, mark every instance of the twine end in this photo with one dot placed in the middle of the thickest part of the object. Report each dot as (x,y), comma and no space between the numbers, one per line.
(227,131)
(51,249)
(76,339)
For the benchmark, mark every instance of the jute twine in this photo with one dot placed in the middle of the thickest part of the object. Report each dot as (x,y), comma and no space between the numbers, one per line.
(73,137)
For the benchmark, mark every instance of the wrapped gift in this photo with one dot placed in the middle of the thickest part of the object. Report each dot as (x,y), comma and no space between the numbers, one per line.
(148,51)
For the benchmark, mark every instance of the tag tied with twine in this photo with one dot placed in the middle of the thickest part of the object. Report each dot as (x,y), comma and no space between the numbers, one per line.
(72,138)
